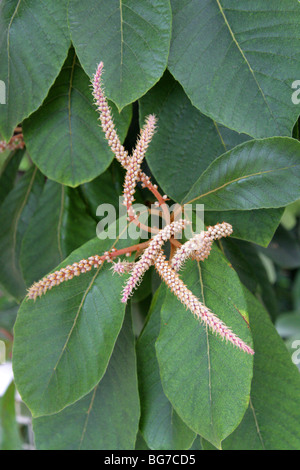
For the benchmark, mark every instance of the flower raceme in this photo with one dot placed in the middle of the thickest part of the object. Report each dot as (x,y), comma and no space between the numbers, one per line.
(149,256)
(200,311)
(200,245)
(150,252)
(135,161)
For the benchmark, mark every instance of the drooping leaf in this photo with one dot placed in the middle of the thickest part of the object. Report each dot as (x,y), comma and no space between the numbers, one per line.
(64,340)
(245,58)
(186,141)
(63,137)
(206,380)
(34,42)
(15,214)
(107,418)
(160,425)
(59,226)
(131,37)
(250,175)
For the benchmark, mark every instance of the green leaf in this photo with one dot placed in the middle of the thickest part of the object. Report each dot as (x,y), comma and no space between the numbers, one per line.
(9,172)
(64,340)
(107,418)
(9,433)
(160,425)
(59,226)
(246,261)
(63,137)
(245,58)
(34,42)
(131,37)
(102,190)
(250,175)
(272,420)
(206,380)
(263,223)
(187,140)
(15,214)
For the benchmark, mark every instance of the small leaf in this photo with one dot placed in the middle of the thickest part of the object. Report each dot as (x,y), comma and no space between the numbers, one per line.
(33,49)
(131,37)
(107,418)
(206,380)
(64,137)
(250,175)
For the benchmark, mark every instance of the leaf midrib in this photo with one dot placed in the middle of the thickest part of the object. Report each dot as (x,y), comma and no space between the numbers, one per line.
(238,179)
(247,62)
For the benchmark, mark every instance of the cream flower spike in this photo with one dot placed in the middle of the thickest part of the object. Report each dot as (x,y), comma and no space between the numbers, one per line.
(134,162)
(108,126)
(200,311)
(199,246)
(149,256)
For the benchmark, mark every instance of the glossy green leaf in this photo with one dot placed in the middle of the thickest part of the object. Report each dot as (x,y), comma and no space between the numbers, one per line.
(160,425)
(34,42)
(256,226)
(131,37)
(60,225)
(186,141)
(15,214)
(206,380)
(250,175)
(107,418)
(272,420)
(63,137)
(245,58)
(64,340)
